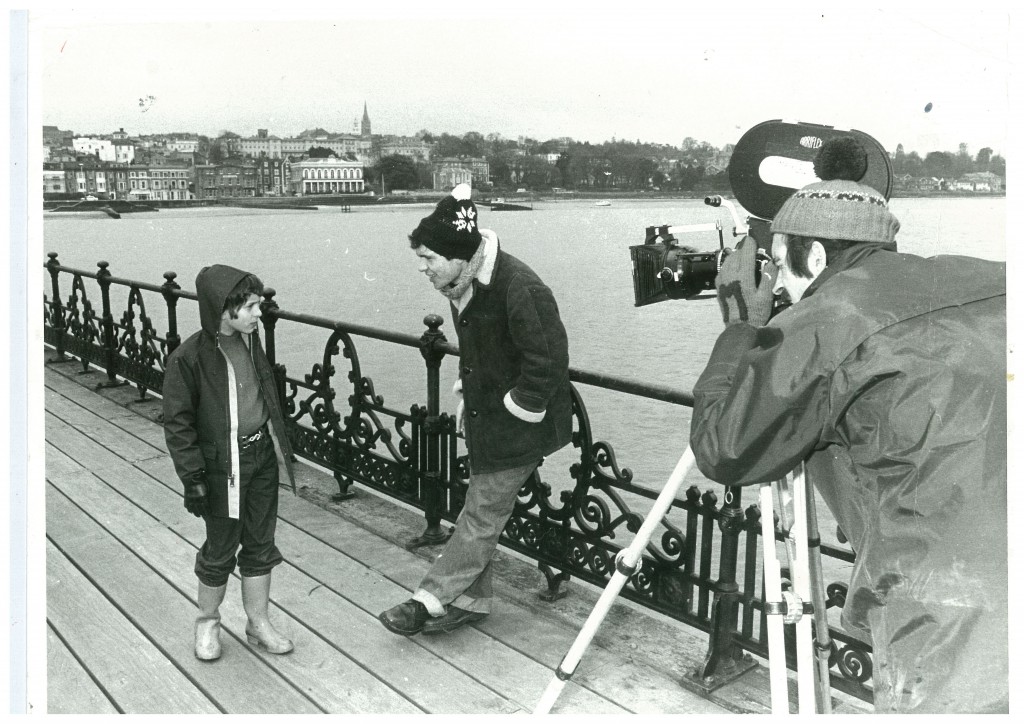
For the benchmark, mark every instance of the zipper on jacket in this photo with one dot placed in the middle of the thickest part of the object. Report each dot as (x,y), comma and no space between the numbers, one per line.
(232,433)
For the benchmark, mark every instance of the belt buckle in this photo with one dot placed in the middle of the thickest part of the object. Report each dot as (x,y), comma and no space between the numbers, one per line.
(255,437)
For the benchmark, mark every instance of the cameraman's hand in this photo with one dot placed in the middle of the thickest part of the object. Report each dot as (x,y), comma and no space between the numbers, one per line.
(196,497)
(739,295)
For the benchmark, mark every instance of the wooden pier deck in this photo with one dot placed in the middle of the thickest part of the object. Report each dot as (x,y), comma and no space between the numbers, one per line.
(121,602)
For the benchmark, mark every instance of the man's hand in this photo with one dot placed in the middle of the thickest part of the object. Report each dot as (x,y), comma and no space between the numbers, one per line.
(460,416)
(460,411)
(739,295)
(196,498)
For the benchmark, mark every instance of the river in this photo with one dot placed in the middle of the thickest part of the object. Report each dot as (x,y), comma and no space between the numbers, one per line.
(358,267)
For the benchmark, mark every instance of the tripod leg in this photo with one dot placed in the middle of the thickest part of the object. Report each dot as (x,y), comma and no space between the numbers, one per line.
(823,640)
(802,588)
(626,563)
(773,598)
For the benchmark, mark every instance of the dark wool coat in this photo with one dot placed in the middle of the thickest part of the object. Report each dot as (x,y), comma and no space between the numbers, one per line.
(511,340)
(890,381)
(197,413)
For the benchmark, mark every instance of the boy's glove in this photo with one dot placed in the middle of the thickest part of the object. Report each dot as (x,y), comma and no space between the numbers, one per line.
(739,295)
(195,497)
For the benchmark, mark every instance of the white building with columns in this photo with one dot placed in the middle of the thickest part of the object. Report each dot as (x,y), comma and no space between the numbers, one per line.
(327,176)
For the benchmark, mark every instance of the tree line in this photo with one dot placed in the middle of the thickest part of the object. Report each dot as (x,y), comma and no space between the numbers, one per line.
(616,164)
(946,165)
(524,162)
(627,165)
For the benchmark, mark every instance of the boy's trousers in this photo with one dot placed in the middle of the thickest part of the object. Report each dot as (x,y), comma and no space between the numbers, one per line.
(461,575)
(255,527)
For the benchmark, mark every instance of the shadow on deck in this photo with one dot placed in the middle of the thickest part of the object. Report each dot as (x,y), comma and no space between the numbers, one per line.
(120,551)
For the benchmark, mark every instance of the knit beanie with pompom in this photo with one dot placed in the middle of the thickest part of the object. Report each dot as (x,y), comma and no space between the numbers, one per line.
(452,229)
(838,207)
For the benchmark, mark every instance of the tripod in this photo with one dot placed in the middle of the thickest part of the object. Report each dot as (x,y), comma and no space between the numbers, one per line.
(806,599)
(800,526)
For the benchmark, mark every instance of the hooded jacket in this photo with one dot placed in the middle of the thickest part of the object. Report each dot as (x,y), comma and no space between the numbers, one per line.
(199,412)
(889,380)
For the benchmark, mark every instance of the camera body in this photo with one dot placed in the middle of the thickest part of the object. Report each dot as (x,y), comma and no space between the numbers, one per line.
(663,268)
(768,164)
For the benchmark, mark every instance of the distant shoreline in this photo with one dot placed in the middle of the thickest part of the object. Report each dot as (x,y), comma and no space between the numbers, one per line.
(271,202)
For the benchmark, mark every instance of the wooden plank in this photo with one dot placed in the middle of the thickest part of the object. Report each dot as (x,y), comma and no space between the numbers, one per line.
(114,438)
(67,385)
(167,617)
(69,688)
(81,448)
(317,668)
(512,673)
(543,642)
(173,557)
(128,418)
(131,419)
(94,629)
(341,567)
(647,690)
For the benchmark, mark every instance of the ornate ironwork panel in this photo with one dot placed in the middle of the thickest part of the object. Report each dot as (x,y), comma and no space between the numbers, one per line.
(337,419)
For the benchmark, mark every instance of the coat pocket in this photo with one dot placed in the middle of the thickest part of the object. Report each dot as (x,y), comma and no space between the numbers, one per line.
(211,459)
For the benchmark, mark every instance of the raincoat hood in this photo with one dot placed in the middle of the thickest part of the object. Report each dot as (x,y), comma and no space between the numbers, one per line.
(213,285)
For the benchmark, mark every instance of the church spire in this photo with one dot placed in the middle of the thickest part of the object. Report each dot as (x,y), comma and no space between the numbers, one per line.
(365,128)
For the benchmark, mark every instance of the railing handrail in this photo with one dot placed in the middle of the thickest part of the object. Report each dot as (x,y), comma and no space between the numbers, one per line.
(603,380)
(570,532)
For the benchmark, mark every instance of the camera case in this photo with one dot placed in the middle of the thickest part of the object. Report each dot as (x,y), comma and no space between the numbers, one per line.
(775,158)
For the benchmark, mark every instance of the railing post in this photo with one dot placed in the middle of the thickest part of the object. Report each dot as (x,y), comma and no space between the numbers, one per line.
(430,475)
(109,336)
(725,660)
(57,309)
(269,308)
(167,289)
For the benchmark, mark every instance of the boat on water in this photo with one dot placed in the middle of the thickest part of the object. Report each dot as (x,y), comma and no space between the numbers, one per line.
(500,204)
(603,203)
(111,207)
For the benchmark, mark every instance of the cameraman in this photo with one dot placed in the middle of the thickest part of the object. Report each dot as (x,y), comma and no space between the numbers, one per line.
(887,377)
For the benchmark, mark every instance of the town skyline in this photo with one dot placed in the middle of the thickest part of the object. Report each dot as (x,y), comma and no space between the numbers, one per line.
(355,133)
(928,84)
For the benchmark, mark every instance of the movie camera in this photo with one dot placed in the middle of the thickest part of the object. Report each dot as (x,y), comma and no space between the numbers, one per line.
(768,164)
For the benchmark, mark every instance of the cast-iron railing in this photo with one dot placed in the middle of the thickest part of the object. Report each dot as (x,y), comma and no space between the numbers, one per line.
(704,571)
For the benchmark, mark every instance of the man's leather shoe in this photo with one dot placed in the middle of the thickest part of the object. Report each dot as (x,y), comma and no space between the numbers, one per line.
(405,619)
(453,618)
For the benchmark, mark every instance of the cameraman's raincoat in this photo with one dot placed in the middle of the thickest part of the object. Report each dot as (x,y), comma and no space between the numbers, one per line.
(889,379)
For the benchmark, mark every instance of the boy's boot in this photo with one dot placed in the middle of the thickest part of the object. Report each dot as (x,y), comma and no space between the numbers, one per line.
(258,630)
(208,622)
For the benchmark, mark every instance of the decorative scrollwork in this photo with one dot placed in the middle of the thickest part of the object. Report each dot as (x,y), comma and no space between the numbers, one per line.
(835,595)
(82,324)
(854,664)
(140,347)
(574,520)
(603,456)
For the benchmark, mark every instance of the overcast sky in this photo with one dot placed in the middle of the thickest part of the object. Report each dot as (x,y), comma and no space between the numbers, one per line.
(656,72)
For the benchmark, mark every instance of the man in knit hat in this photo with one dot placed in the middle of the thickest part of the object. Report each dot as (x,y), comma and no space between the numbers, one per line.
(515,402)
(887,378)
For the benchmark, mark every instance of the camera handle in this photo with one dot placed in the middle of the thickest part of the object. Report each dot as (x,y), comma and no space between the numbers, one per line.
(739,228)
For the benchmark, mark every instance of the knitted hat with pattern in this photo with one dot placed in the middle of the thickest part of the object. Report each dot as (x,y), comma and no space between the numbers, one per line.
(838,207)
(452,229)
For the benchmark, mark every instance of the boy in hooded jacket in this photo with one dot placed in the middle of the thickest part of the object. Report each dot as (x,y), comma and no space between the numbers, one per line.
(225,433)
